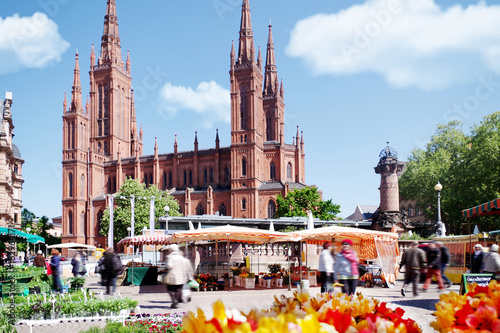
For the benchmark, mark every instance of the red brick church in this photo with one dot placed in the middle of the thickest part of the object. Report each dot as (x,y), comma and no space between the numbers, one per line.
(102,145)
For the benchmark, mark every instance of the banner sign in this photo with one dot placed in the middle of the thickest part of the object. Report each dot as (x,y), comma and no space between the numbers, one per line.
(469,279)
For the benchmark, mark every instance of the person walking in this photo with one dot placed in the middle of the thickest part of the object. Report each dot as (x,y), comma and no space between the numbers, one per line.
(413,260)
(346,268)
(39,259)
(56,270)
(445,261)
(77,264)
(492,261)
(477,259)
(177,275)
(434,267)
(112,266)
(325,268)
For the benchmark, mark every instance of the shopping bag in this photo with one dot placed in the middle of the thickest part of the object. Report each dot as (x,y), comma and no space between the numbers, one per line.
(193,284)
(186,293)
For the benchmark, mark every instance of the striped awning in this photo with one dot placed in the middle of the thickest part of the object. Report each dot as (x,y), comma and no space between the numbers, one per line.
(233,234)
(148,239)
(492,207)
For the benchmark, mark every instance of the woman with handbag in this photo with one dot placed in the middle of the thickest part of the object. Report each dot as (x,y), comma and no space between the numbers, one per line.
(346,268)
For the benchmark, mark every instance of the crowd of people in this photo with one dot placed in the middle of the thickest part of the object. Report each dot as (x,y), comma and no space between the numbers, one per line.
(432,261)
(339,269)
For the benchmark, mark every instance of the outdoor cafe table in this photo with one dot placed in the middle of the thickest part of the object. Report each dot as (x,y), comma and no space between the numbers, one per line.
(141,276)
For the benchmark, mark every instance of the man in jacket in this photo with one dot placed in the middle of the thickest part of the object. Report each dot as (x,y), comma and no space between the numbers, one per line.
(445,261)
(434,267)
(39,259)
(413,260)
(326,268)
(177,275)
(113,266)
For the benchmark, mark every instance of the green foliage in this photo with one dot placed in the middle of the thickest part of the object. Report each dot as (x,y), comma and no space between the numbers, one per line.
(413,236)
(122,210)
(291,228)
(299,202)
(468,167)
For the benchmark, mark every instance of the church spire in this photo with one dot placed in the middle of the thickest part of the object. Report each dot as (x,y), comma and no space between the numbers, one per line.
(110,41)
(271,75)
(65,103)
(76,94)
(246,51)
(128,64)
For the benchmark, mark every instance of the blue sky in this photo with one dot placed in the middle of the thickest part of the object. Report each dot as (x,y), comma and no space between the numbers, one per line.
(356,74)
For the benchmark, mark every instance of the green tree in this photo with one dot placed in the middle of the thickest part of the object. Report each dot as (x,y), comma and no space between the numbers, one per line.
(299,202)
(27,218)
(467,165)
(123,211)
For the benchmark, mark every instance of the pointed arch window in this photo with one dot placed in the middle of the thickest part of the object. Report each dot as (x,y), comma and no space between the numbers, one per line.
(200,210)
(272,169)
(289,171)
(70,185)
(70,222)
(109,185)
(114,184)
(164,180)
(226,174)
(205,176)
(106,148)
(222,209)
(243,204)
(410,211)
(269,126)
(243,167)
(146,179)
(151,179)
(185,178)
(271,209)
(243,107)
(190,177)
(170,179)
(211,175)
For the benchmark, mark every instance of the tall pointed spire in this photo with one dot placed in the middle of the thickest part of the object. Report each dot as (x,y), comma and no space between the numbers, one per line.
(128,64)
(156,147)
(175,144)
(246,51)
(110,41)
(195,141)
(65,103)
(217,141)
(76,94)
(92,57)
(233,55)
(271,75)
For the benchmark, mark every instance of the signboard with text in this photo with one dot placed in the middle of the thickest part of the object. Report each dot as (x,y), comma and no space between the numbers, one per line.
(469,279)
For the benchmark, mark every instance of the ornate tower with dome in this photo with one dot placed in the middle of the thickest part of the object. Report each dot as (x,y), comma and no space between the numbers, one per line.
(102,145)
(388,168)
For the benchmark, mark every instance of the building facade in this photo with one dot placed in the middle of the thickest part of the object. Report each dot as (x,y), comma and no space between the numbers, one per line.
(102,145)
(11,166)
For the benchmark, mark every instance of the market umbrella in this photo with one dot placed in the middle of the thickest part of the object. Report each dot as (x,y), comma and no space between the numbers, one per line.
(231,233)
(5,233)
(148,239)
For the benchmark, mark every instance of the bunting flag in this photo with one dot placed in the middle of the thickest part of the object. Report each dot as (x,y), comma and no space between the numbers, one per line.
(132,217)
(152,216)
(110,231)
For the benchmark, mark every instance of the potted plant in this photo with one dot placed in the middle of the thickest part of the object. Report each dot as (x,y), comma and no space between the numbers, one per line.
(76,282)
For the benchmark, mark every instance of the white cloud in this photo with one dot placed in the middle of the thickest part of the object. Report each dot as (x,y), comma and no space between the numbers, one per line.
(408,42)
(29,42)
(209,99)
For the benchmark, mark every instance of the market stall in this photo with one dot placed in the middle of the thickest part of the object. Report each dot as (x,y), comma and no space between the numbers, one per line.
(371,245)
(140,274)
(230,234)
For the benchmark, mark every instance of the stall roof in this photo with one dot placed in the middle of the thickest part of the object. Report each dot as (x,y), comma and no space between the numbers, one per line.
(7,232)
(488,208)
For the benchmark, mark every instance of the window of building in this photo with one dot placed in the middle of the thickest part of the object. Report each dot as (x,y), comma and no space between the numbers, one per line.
(222,209)
(109,185)
(269,126)
(243,167)
(226,174)
(150,179)
(146,179)
(70,185)
(70,222)
(243,107)
(170,179)
(410,211)
(211,175)
(243,204)
(190,177)
(106,148)
(16,169)
(185,177)
(205,176)
(200,210)
(164,180)
(272,169)
(289,171)
(271,209)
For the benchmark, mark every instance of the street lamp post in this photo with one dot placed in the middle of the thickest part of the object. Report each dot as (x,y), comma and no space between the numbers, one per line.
(440,228)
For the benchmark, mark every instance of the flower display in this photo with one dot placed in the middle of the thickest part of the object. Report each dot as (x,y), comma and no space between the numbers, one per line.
(476,311)
(303,313)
